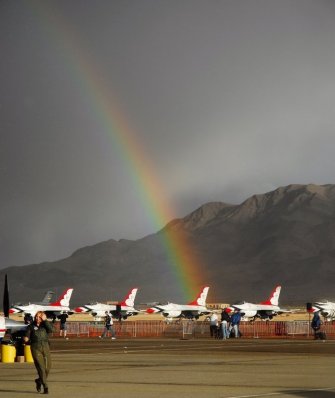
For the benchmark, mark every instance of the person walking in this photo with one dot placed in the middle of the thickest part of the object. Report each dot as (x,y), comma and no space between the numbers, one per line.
(63,327)
(108,326)
(37,334)
(225,323)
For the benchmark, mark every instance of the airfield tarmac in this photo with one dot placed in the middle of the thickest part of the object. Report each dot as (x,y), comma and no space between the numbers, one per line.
(129,368)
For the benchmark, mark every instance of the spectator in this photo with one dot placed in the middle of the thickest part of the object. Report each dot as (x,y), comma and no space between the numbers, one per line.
(28,319)
(108,326)
(225,323)
(63,327)
(235,323)
(213,324)
(316,324)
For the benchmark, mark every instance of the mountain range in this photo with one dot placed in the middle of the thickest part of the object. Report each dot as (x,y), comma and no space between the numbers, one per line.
(286,237)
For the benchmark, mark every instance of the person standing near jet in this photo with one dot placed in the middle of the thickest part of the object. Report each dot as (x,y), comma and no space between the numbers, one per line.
(235,322)
(63,328)
(225,322)
(213,325)
(37,334)
(28,319)
(316,324)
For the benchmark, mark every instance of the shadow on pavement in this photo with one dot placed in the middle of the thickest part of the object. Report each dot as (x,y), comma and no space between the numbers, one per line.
(311,393)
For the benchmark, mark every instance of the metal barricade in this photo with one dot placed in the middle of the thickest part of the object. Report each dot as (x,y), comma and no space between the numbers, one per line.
(194,329)
(298,328)
(188,328)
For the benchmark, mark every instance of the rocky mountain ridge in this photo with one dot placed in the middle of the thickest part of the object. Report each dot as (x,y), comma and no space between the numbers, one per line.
(286,236)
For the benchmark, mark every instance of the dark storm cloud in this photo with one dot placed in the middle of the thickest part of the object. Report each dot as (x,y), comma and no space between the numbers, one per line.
(227,98)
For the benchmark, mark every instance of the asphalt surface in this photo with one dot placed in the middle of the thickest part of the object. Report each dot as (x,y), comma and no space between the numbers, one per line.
(136,368)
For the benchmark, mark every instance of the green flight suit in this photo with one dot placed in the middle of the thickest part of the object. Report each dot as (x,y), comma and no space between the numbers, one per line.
(40,349)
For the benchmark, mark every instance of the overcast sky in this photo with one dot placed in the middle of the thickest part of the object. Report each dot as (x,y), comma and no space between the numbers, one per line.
(226,98)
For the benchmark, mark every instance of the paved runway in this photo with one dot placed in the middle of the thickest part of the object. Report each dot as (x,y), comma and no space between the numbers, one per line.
(146,368)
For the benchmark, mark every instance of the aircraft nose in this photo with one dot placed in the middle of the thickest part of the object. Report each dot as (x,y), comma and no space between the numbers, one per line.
(12,311)
(151,310)
(79,309)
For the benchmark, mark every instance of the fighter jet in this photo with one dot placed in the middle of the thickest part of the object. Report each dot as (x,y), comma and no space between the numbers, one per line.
(265,310)
(51,309)
(326,308)
(193,310)
(46,300)
(120,310)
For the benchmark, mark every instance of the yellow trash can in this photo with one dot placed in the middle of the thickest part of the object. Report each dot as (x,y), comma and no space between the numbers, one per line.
(27,354)
(8,353)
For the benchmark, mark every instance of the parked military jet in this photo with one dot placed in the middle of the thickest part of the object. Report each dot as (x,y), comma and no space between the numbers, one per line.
(265,310)
(51,309)
(46,300)
(326,308)
(193,310)
(122,309)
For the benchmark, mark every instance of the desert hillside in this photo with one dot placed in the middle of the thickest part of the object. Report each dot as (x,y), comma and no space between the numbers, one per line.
(286,236)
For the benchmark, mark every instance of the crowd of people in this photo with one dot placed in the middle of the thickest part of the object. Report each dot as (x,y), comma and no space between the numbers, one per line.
(227,326)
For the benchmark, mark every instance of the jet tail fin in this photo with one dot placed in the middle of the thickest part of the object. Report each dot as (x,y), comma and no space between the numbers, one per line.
(201,298)
(64,299)
(274,297)
(48,297)
(129,300)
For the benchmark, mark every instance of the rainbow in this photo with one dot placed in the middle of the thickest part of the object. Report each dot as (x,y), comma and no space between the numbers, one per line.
(184,264)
